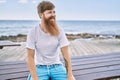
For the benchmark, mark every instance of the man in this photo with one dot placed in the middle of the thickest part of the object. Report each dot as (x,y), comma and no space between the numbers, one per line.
(43,44)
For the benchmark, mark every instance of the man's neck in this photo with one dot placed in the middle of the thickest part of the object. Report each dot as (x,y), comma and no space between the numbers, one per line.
(42,26)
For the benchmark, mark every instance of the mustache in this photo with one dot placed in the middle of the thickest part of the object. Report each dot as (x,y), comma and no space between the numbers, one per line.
(52,17)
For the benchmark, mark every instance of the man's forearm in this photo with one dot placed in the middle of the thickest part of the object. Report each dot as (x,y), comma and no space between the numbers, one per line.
(31,66)
(68,65)
(67,60)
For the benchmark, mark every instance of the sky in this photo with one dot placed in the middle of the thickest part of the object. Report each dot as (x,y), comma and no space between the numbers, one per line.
(65,9)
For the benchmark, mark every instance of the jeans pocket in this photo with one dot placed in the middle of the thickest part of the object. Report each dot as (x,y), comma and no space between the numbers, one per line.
(61,69)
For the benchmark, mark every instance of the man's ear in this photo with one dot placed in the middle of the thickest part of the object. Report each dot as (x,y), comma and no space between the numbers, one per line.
(40,15)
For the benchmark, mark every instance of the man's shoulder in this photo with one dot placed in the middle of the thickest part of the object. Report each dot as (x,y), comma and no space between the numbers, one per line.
(60,28)
(34,28)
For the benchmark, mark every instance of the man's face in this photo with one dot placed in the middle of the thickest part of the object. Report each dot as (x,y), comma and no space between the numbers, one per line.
(49,16)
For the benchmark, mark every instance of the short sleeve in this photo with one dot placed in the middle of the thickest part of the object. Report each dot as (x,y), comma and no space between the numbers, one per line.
(30,43)
(63,41)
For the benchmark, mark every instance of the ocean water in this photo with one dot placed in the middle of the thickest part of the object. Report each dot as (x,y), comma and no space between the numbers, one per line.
(15,27)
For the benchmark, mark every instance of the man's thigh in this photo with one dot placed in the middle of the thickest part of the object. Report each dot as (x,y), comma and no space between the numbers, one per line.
(59,73)
(42,74)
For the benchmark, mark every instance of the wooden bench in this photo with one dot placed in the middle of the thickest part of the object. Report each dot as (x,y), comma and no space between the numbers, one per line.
(92,67)
(5,43)
(97,67)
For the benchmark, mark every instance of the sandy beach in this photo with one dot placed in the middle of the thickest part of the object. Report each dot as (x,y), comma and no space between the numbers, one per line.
(78,46)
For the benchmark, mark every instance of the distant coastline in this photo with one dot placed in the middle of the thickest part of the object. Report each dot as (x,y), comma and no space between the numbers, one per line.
(57,20)
(22,37)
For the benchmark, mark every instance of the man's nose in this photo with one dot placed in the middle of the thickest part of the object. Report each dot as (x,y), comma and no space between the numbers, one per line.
(53,14)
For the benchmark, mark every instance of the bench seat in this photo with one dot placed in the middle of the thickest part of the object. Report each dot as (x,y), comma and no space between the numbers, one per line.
(91,67)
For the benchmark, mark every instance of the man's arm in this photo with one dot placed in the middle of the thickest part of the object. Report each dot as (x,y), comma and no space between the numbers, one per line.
(67,59)
(31,63)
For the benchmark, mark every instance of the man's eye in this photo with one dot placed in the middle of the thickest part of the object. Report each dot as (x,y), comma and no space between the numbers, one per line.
(49,12)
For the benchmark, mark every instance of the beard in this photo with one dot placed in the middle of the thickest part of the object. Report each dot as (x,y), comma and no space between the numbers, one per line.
(50,24)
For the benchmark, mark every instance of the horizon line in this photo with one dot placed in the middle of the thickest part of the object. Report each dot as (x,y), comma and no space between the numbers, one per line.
(56,20)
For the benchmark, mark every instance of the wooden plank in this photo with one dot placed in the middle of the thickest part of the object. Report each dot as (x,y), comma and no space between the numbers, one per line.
(96,56)
(95,70)
(22,78)
(14,76)
(7,43)
(98,75)
(13,70)
(5,65)
(12,63)
(12,66)
(87,66)
(95,61)
(91,59)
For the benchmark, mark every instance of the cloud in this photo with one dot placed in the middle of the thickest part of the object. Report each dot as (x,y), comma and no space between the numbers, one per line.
(23,1)
(3,1)
(34,1)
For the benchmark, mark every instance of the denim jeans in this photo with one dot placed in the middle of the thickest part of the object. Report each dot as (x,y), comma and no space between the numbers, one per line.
(50,72)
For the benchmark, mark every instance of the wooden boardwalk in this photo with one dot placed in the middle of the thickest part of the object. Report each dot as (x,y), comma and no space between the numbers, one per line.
(76,47)
(13,53)
(4,43)
(88,47)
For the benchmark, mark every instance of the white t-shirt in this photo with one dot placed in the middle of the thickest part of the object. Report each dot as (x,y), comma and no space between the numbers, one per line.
(46,47)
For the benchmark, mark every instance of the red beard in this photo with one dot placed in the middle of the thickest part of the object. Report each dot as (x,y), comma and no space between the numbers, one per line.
(50,24)
(48,21)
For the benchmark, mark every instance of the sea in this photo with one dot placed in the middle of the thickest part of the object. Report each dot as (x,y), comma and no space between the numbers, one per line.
(15,27)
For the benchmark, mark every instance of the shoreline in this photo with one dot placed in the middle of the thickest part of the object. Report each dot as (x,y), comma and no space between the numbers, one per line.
(22,37)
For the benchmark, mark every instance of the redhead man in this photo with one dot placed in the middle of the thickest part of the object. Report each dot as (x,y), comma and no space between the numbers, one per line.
(43,44)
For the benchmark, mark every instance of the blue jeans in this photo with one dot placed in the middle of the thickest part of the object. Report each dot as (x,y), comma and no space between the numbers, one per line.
(51,72)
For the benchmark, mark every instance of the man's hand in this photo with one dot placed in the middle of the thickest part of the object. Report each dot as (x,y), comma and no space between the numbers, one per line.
(71,77)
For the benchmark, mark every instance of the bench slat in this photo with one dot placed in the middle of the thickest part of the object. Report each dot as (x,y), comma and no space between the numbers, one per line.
(14,76)
(12,66)
(94,70)
(95,58)
(98,75)
(87,66)
(96,55)
(77,62)
(14,70)
(12,63)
